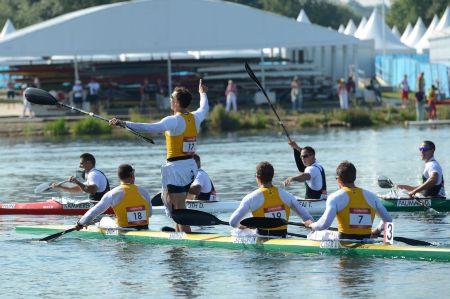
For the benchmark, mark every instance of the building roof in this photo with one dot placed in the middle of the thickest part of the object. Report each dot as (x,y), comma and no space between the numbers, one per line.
(161,26)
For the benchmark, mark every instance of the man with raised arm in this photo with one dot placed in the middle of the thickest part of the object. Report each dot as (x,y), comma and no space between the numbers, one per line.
(432,176)
(96,184)
(270,202)
(181,130)
(131,204)
(354,208)
(311,172)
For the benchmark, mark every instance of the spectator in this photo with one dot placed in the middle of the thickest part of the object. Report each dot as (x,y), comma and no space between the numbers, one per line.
(77,94)
(376,89)
(231,93)
(160,94)
(296,93)
(11,93)
(420,111)
(342,94)
(432,113)
(93,95)
(404,91)
(36,83)
(421,82)
(144,91)
(351,88)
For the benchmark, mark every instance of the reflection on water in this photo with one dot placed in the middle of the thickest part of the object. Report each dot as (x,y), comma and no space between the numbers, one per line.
(355,276)
(183,275)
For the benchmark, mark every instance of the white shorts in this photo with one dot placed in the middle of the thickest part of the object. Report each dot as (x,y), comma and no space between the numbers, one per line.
(178,174)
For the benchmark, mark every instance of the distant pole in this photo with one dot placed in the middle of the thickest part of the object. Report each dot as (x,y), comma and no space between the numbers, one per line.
(383,29)
(75,68)
(263,75)
(169,74)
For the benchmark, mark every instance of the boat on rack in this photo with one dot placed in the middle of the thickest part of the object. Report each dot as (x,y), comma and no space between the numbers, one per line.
(293,245)
(70,207)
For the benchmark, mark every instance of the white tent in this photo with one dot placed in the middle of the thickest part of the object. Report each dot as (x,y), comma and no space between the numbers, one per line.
(416,34)
(360,28)
(385,40)
(160,26)
(406,33)
(445,20)
(424,43)
(395,31)
(303,18)
(341,28)
(7,28)
(351,28)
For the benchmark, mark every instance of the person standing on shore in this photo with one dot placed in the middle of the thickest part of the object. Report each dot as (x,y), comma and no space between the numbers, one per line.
(231,94)
(432,113)
(77,94)
(404,91)
(296,94)
(181,130)
(420,110)
(342,94)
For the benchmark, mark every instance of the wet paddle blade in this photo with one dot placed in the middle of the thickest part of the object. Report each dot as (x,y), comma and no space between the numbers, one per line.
(195,218)
(263,222)
(412,242)
(39,96)
(385,182)
(57,235)
(42,188)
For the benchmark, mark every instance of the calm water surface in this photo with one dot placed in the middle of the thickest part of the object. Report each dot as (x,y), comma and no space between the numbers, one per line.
(74,268)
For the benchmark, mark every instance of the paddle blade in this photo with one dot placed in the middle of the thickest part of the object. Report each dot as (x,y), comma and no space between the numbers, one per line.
(385,182)
(39,96)
(412,242)
(57,235)
(263,222)
(42,188)
(195,218)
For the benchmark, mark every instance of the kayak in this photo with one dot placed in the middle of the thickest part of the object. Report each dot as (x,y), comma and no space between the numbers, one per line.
(293,245)
(439,204)
(64,206)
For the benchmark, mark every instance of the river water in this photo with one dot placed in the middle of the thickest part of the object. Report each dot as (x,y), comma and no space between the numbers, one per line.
(74,268)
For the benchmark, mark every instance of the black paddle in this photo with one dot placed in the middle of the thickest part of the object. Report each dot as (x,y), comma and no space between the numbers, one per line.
(252,75)
(265,223)
(42,97)
(195,218)
(57,235)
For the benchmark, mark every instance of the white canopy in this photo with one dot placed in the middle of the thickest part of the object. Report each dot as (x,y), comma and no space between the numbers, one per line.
(445,20)
(406,33)
(416,34)
(303,18)
(162,26)
(361,26)
(351,28)
(384,39)
(7,29)
(341,28)
(395,31)
(424,43)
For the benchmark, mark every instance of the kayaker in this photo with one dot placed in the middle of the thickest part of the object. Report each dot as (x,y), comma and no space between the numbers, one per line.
(131,204)
(202,188)
(432,176)
(311,172)
(96,184)
(354,208)
(181,130)
(269,201)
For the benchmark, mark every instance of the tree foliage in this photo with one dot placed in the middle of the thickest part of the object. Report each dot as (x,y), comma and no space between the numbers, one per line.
(404,11)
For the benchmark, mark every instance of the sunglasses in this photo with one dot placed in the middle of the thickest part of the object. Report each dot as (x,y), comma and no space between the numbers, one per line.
(424,149)
(305,156)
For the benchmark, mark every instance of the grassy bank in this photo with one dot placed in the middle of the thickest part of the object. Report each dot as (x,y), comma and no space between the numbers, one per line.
(221,121)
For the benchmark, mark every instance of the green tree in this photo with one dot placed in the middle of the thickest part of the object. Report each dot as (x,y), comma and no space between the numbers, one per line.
(404,11)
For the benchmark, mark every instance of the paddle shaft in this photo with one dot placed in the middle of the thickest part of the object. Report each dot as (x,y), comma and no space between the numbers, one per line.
(57,235)
(105,119)
(252,75)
